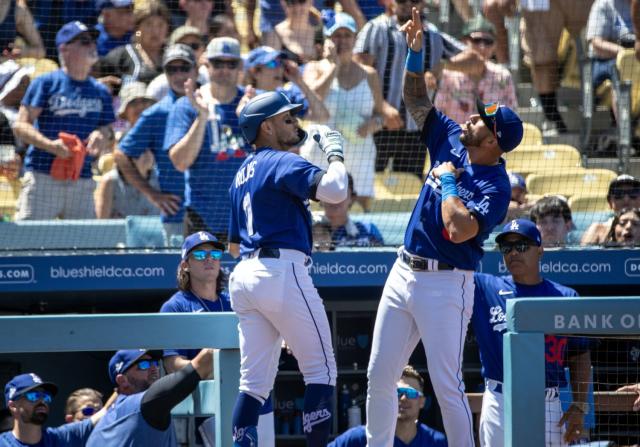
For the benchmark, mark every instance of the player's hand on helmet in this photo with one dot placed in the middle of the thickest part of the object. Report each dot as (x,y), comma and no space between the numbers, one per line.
(330,141)
(195,98)
(413,30)
(446,167)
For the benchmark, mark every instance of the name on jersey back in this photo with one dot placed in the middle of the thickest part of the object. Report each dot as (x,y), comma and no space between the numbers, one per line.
(246,173)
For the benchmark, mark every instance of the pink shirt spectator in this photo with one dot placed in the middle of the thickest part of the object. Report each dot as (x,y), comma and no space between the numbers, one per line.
(457,91)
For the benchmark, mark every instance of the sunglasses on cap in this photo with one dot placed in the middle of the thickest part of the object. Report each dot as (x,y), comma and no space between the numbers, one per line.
(144,365)
(409,393)
(490,111)
(88,411)
(272,64)
(201,255)
(520,246)
(487,41)
(620,193)
(173,69)
(35,396)
(220,63)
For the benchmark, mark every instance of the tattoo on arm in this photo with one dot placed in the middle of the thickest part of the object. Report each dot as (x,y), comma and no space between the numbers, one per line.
(416,98)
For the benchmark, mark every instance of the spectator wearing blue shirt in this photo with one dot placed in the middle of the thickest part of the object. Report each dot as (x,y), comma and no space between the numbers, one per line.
(204,141)
(66,100)
(409,431)
(179,65)
(346,232)
(115,26)
(28,399)
(141,414)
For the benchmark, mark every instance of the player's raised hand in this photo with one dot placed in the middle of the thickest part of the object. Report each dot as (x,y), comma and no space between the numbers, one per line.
(446,167)
(330,141)
(195,98)
(413,29)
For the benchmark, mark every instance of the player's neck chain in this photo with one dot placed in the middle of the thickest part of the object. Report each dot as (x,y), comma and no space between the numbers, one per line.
(204,304)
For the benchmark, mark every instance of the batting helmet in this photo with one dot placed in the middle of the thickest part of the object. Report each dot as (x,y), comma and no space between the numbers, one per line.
(260,108)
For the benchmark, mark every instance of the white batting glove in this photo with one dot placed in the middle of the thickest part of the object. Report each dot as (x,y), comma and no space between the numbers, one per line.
(330,141)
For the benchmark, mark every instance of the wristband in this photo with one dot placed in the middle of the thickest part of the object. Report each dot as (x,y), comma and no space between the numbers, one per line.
(448,186)
(414,61)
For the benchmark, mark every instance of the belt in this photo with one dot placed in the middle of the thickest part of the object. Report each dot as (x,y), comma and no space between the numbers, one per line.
(273,253)
(495,386)
(278,253)
(418,264)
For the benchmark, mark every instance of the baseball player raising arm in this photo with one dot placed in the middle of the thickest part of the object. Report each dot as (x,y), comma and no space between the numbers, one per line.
(271,290)
(520,244)
(429,292)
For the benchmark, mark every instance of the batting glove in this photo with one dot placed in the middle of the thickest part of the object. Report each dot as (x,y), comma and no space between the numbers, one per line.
(330,141)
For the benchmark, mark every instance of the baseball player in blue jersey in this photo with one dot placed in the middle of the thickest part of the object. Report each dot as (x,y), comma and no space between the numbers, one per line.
(429,292)
(271,290)
(520,244)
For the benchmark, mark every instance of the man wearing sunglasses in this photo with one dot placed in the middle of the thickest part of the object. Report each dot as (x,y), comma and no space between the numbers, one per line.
(520,243)
(429,292)
(66,100)
(409,432)
(624,192)
(141,414)
(28,399)
(204,139)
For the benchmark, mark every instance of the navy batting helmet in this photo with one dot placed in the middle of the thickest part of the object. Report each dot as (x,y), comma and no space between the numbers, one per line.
(260,108)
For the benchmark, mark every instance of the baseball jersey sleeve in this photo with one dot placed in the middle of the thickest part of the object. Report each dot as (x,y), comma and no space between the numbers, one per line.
(354,437)
(297,176)
(180,119)
(492,208)
(75,434)
(437,131)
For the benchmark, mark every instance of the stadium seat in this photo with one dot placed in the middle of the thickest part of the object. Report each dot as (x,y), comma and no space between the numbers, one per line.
(144,232)
(527,159)
(589,202)
(395,192)
(629,70)
(570,183)
(532,135)
(583,219)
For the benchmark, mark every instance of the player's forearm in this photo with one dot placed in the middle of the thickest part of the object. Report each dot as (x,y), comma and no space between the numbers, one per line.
(460,224)
(580,372)
(604,49)
(333,186)
(30,135)
(414,93)
(185,151)
(175,363)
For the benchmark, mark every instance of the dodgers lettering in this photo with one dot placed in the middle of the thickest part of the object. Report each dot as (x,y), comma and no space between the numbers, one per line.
(313,418)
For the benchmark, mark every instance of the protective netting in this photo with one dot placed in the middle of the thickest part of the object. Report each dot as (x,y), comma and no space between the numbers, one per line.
(85,167)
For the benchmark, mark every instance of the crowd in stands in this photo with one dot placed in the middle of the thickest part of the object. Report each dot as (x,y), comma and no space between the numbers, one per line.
(140,118)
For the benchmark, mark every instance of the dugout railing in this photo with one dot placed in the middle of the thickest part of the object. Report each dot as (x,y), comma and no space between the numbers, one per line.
(528,321)
(69,333)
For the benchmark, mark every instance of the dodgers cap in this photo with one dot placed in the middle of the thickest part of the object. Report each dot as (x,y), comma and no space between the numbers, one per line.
(23,383)
(223,47)
(262,56)
(523,227)
(517,181)
(71,30)
(125,358)
(505,124)
(199,238)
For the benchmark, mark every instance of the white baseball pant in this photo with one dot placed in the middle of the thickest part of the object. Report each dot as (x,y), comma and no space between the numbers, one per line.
(435,307)
(492,418)
(276,299)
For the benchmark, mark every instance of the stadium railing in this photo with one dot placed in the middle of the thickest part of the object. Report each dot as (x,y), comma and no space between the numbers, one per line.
(69,333)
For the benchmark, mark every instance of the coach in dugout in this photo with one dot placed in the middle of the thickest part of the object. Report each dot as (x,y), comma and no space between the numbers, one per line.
(28,399)
(141,415)
(520,243)
(58,182)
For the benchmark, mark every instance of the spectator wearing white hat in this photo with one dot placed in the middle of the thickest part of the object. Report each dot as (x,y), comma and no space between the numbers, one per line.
(133,101)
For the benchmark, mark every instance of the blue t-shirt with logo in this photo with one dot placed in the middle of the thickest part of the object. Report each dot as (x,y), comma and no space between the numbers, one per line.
(489,321)
(148,134)
(68,435)
(425,437)
(222,152)
(106,42)
(123,425)
(270,201)
(75,107)
(485,191)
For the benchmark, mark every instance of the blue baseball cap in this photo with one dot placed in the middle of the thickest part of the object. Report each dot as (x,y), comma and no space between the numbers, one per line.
(71,30)
(517,181)
(523,227)
(262,56)
(124,359)
(102,4)
(505,124)
(199,238)
(339,20)
(23,383)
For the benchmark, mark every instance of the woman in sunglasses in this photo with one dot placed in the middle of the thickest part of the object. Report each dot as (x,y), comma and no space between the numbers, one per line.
(458,89)
(201,284)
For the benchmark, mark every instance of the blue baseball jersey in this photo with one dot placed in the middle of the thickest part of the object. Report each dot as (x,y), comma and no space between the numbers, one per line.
(425,437)
(485,191)
(123,425)
(489,321)
(75,107)
(148,134)
(270,201)
(357,234)
(68,435)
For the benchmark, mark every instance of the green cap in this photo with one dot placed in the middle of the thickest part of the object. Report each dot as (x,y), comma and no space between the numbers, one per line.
(478,24)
